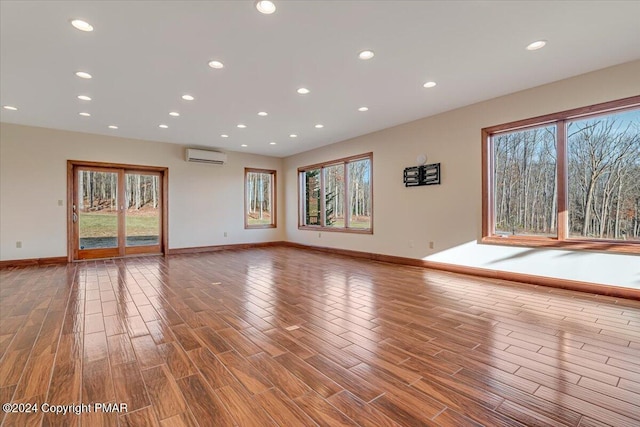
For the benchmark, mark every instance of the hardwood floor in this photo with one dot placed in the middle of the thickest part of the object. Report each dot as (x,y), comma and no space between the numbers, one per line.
(283,336)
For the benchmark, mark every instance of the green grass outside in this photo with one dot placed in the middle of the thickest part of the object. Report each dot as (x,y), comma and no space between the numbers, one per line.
(105,225)
(339,223)
(254,218)
(101,225)
(257,221)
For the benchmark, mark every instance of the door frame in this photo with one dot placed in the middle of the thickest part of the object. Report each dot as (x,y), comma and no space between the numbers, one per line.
(72,248)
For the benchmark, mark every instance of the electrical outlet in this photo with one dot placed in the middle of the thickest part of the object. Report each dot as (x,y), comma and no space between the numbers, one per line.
(431,245)
(411,244)
(19,244)
(60,202)
(225,234)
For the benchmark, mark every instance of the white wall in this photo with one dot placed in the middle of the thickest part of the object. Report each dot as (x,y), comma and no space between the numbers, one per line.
(204,200)
(450,214)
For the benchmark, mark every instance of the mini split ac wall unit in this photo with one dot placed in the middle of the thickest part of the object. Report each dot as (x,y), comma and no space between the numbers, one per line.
(205,156)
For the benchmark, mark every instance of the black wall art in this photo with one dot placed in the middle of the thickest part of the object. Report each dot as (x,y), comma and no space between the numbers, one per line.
(415,176)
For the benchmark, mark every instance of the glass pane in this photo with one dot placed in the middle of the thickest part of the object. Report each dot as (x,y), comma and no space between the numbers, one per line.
(97,209)
(334,196)
(360,194)
(604,176)
(259,190)
(312,197)
(525,190)
(142,198)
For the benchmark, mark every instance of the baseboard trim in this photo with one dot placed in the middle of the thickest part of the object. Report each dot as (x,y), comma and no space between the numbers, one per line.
(33,261)
(178,251)
(573,285)
(200,249)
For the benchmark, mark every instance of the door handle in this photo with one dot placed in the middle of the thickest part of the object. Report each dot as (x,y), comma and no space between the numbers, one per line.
(75,217)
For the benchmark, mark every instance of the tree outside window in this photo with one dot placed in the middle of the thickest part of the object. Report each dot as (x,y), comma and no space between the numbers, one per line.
(337,195)
(260,200)
(569,179)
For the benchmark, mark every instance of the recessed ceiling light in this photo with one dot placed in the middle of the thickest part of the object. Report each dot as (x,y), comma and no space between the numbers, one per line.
(188,97)
(85,114)
(82,25)
(83,75)
(265,6)
(113,127)
(263,113)
(319,126)
(272,143)
(536,45)
(84,97)
(366,54)
(174,114)
(243,145)
(10,107)
(216,64)
(363,109)
(241,126)
(293,135)
(163,126)
(429,84)
(224,135)
(303,91)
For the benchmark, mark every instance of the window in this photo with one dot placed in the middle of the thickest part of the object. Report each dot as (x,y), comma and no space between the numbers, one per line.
(603,155)
(337,195)
(569,179)
(525,182)
(260,198)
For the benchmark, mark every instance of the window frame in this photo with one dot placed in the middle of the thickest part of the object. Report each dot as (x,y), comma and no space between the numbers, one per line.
(563,240)
(274,199)
(345,161)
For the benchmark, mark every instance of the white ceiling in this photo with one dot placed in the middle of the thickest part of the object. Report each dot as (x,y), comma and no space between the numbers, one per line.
(145,54)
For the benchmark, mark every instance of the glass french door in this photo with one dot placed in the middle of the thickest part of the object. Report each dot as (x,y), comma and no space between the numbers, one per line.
(116,212)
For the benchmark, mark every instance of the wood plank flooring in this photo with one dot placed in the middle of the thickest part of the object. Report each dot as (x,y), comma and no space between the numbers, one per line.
(290,337)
